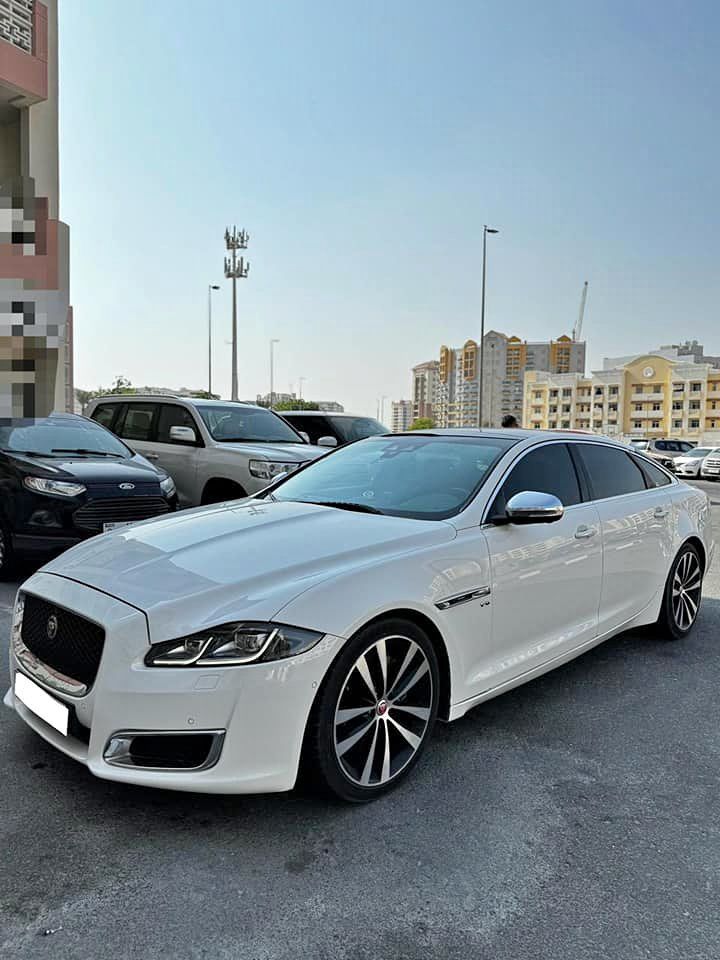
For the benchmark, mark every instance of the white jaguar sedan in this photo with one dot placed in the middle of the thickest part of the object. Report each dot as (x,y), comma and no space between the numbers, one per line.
(327,623)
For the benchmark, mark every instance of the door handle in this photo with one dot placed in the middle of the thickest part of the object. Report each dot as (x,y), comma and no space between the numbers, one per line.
(152,456)
(584,531)
(660,512)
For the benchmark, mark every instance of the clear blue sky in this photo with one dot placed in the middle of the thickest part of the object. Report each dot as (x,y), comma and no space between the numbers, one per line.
(363,145)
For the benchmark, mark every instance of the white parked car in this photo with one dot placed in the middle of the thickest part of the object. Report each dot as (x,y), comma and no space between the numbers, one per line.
(690,464)
(213,450)
(710,468)
(329,622)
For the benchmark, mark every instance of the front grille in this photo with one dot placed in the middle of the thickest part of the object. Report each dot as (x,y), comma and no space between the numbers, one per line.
(95,513)
(714,462)
(73,649)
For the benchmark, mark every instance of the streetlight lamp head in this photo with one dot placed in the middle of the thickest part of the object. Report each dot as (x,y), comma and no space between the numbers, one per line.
(214,286)
(490,230)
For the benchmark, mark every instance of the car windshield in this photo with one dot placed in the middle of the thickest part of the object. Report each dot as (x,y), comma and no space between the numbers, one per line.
(235,423)
(357,428)
(61,437)
(423,477)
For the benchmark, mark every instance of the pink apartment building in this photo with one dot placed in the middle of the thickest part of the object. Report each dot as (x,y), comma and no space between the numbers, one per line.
(35,312)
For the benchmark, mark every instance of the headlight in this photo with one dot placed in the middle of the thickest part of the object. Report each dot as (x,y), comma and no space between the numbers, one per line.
(58,488)
(167,486)
(232,644)
(270,469)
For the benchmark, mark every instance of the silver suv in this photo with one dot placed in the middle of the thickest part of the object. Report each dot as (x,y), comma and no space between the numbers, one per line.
(664,451)
(214,450)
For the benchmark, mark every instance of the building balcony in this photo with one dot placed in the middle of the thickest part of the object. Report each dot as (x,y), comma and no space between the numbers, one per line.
(646,415)
(655,395)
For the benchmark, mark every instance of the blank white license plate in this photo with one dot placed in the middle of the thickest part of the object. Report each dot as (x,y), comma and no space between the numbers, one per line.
(712,469)
(115,526)
(42,704)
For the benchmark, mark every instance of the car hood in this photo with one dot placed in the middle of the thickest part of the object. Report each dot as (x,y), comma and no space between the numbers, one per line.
(286,452)
(105,470)
(242,560)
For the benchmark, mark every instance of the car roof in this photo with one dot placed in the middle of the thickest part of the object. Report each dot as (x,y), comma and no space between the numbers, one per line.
(163,397)
(325,413)
(510,432)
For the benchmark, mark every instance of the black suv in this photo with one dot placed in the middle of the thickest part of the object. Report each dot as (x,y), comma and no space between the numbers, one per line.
(64,478)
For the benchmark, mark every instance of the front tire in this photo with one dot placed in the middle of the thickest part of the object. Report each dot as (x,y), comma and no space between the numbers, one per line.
(683,589)
(375,712)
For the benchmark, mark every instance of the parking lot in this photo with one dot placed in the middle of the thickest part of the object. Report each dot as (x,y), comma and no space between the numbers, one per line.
(575,817)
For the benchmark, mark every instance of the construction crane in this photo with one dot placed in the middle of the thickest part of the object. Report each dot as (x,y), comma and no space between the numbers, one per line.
(577,330)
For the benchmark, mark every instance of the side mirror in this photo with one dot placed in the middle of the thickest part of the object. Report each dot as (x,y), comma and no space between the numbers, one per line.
(533,507)
(183,435)
(327,442)
(305,436)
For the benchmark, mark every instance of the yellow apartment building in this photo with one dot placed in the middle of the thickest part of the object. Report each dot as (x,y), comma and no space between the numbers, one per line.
(651,396)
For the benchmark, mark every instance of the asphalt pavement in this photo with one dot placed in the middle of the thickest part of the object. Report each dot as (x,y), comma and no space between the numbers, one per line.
(575,817)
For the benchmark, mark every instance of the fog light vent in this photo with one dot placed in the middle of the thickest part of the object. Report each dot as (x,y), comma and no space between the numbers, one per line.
(161,750)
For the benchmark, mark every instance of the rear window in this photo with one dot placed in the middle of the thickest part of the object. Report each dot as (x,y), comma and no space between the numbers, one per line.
(611,472)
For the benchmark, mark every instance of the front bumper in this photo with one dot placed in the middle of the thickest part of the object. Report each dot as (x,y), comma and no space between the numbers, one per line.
(260,710)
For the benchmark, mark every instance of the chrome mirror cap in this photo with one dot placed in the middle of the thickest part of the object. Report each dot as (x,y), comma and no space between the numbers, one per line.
(533,507)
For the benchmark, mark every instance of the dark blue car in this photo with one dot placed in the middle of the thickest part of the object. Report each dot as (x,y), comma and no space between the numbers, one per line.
(64,478)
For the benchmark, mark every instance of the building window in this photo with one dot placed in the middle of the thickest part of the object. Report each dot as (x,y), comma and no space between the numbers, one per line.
(694,404)
(613,391)
(637,424)
(694,424)
(553,393)
(655,424)
(656,406)
(638,408)
(566,408)
(537,426)
(567,392)
(537,395)
(696,387)
(677,405)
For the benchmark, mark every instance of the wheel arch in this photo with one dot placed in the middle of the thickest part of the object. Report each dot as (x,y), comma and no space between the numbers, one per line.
(221,483)
(696,542)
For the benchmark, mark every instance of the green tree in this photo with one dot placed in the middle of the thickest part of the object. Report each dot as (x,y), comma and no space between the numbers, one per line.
(422,423)
(120,385)
(296,405)
(204,395)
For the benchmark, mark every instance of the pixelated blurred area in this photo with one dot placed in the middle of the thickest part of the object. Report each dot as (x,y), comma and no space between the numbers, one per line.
(35,315)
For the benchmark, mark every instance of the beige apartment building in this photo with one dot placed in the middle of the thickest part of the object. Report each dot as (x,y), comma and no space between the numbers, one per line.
(650,396)
(505,362)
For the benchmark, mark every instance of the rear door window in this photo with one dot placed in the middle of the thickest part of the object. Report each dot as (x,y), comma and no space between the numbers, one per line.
(138,423)
(611,472)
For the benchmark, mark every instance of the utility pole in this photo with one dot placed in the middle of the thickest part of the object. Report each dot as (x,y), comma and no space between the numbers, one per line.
(235,269)
(272,371)
(211,287)
(486,231)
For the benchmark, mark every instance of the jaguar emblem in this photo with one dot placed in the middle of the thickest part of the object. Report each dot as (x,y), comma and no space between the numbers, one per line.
(51,628)
(126,486)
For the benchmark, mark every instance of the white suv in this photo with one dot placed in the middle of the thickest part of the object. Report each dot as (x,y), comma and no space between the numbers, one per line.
(214,450)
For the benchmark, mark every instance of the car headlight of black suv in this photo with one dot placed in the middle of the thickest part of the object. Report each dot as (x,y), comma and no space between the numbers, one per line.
(233,644)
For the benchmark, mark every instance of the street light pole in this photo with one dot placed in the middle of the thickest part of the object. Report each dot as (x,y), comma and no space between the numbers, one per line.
(272,371)
(235,269)
(301,381)
(211,287)
(486,231)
